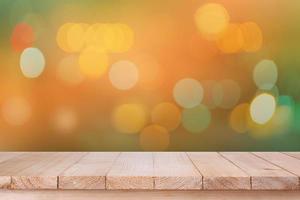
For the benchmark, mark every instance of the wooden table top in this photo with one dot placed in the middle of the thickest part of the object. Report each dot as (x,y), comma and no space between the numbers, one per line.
(150,170)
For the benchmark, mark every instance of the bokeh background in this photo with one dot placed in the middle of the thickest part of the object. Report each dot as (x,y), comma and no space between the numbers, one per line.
(130,75)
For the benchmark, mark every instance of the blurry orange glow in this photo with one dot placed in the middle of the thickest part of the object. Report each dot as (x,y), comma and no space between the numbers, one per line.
(252,35)
(16,111)
(231,40)
(65,120)
(123,75)
(154,138)
(150,72)
(211,19)
(68,70)
(22,37)
(93,62)
(201,49)
(188,93)
(167,115)
(129,118)
(239,118)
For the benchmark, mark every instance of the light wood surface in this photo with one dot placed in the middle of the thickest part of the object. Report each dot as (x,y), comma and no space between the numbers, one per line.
(43,170)
(150,170)
(132,170)
(6,180)
(289,161)
(88,173)
(175,171)
(264,175)
(219,173)
(148,195)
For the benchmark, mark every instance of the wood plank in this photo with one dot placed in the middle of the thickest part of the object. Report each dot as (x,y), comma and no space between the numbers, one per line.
(264,175)
(131,170)
(218,173)
(293,154)
(5,156)
(89,172)
(42,170)
(287,162)
(18,163)
(175,171)
(147,195)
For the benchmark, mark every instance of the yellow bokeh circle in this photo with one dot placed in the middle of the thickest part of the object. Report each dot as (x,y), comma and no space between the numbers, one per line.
(129,118)
(231,40)
(167,115)
(253,37)
(211,19)
(93,62)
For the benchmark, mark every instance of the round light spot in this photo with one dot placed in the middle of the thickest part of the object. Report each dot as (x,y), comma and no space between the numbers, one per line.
(123,75)
(280,123)
(62,37)
(93,62)
(150,72)
(128,37)
(265,74)
(22,37)
(154,138)
(196,119)
(231,40)
(118,38)
(262,108)
(252,35)
(16,111)
(68,70)
(65,120)
(129,118)
(167,115)
(211,19)
(231,93)
(32,62)
(239,118)
(188,93)
(75,36)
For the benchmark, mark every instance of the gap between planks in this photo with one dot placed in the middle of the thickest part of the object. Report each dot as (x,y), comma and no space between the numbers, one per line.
(151,170)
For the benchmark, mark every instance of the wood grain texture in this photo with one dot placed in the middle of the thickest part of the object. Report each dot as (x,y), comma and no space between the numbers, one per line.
(218,173)
(43,170)
(5,181)
(288,161)
(89,172)
(147,195)
(131,170)
(175,171)
(264,175)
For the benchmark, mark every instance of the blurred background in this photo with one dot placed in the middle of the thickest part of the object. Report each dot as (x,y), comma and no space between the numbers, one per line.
(130,75)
